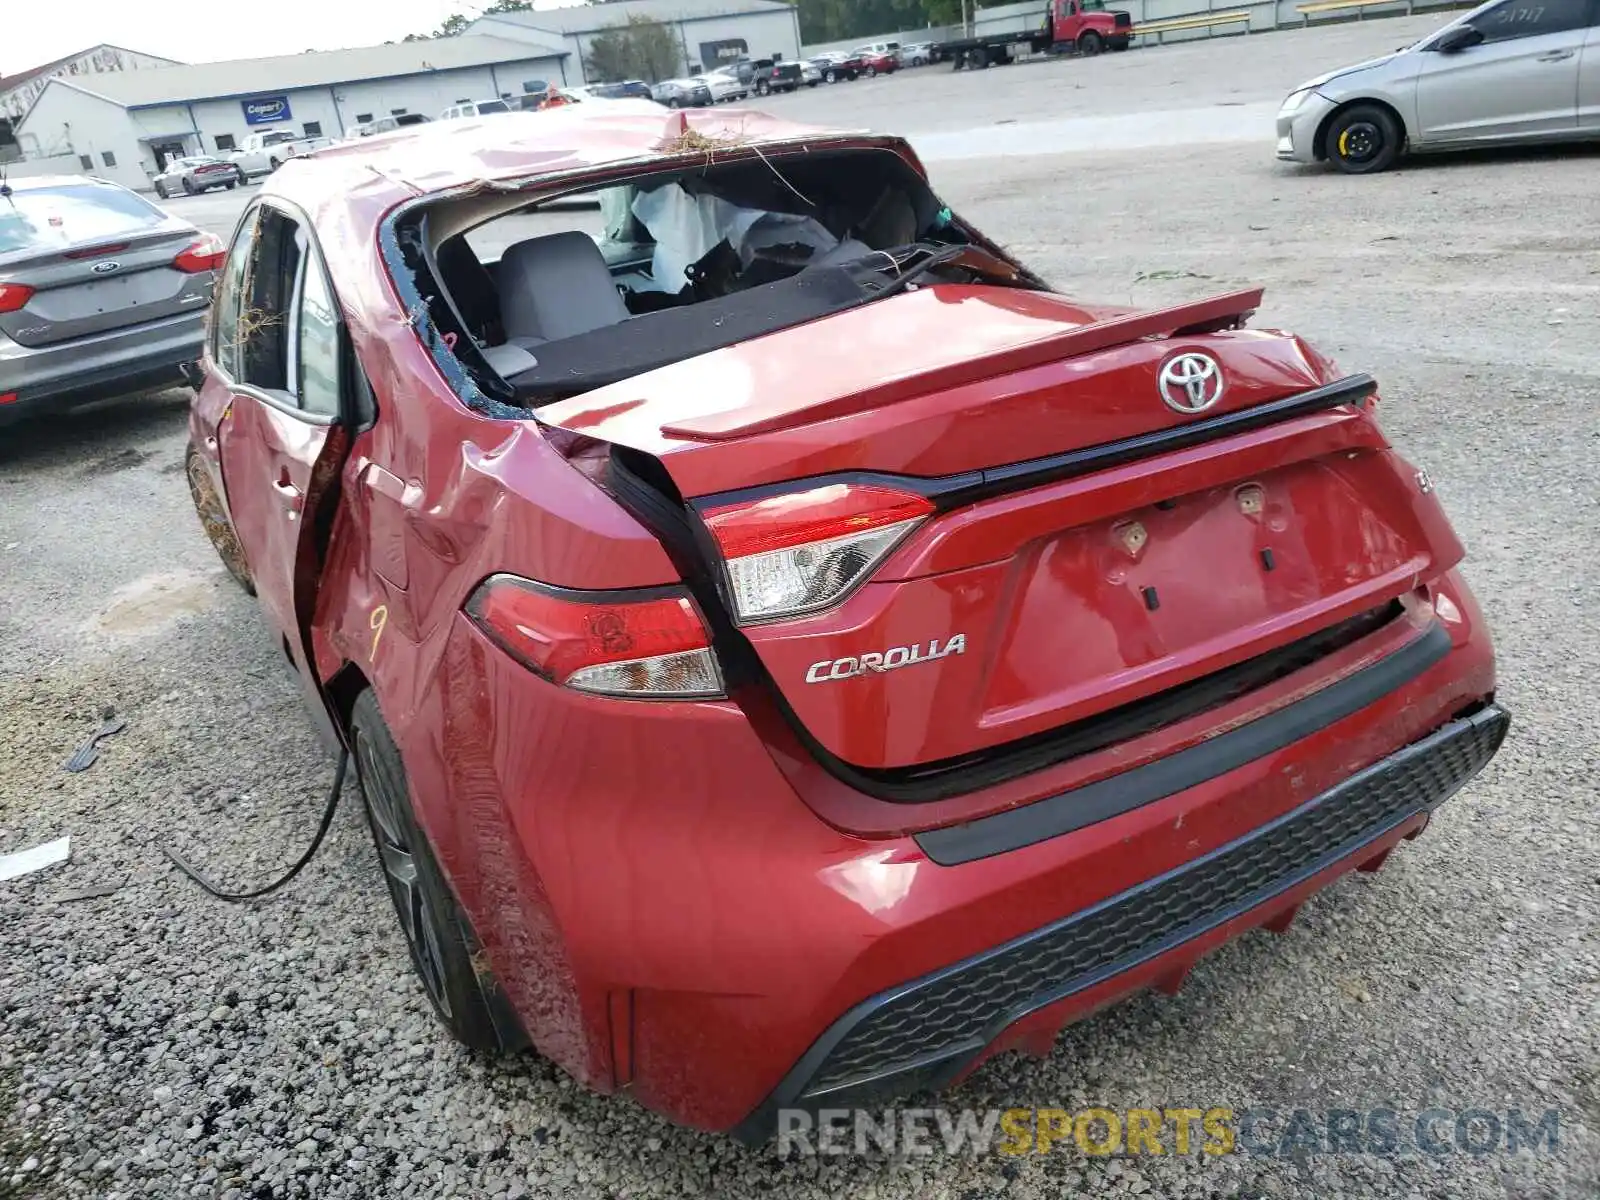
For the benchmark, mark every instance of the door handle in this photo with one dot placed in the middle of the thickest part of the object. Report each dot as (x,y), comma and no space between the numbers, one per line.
(1555,55)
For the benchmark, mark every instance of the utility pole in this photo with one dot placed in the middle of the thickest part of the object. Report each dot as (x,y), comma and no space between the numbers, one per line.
(966,19)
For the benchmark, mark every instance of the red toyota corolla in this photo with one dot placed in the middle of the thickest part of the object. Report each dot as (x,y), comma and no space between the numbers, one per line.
(790,652)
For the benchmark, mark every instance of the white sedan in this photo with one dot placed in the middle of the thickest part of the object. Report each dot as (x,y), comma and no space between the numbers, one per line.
(724,85)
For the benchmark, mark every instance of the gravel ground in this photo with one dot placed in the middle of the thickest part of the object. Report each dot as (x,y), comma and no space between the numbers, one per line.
(154,1043)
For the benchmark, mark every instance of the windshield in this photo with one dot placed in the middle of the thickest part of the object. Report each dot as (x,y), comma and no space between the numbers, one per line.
(278,138)
(493,106)
(48,218)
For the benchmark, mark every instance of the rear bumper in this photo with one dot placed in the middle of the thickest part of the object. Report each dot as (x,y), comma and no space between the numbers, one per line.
(67,374)
(927,1033)
(670,918)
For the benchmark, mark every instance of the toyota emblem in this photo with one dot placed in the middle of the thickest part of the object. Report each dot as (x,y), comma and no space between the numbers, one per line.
(105,268)
(1191,383)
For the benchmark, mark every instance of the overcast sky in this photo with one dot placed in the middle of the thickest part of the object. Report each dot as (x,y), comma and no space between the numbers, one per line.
(210,30)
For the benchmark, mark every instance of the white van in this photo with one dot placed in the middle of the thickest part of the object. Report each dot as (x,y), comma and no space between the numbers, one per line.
(474,108)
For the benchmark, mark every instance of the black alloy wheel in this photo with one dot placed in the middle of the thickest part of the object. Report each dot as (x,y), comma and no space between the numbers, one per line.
(445,951)
(1363,140)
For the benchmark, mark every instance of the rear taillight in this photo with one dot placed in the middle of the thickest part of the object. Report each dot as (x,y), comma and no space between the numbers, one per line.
(803,551)
(207,254)
(13,296)
(649,644)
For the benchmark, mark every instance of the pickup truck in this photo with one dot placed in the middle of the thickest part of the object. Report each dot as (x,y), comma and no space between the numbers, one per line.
(1085,26)
(263,153)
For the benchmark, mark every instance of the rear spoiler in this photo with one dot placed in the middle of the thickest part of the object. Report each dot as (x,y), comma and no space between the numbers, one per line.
(1181,320)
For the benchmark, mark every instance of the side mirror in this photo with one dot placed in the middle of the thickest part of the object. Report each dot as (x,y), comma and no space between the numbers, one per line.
(1454,41)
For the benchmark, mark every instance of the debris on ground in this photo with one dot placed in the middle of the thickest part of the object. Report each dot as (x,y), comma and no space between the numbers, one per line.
(37,858)
(84,756)
(98,892)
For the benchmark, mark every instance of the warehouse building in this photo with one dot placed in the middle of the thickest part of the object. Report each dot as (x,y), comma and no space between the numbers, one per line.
(710,32)
(19,91)
(125,125)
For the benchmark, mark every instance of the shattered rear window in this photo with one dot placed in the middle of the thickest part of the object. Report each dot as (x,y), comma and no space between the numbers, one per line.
(552,298)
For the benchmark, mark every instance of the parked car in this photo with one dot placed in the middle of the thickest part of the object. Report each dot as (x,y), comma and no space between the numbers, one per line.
(771,76)
(628,89)
(387,125)
(810,73)
(750,736)
(474,108)
(101,293)
(1509,71)
(264,152)
(682,93)
(724,84)
(917,54)
(838,67)
(876,60)
(195,174)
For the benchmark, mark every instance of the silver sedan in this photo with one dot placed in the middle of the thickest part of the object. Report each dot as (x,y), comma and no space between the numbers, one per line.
(195,174)
(1509,71)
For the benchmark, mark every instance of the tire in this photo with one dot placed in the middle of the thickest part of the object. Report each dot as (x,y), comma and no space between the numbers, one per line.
(1363,140)
(214,520)
(763,88)
(272,165)
(1090,44)
(674,103)
(829,77)
(188,188)
(230,185)
(161,190)
(872,72)
(444,950)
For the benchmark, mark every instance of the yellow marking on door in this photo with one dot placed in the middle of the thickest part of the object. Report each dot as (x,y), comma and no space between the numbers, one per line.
(380,618)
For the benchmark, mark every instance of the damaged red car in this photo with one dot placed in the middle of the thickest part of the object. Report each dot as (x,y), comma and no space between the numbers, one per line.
(791,652)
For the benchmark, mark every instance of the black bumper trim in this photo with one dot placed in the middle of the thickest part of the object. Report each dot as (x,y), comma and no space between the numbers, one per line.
(1124,792)
(1218,887)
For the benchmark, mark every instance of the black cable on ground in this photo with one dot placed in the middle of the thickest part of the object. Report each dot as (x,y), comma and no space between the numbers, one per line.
(322,831)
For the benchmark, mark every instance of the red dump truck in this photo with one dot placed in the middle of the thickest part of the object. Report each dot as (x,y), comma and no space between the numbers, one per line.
(1085,26)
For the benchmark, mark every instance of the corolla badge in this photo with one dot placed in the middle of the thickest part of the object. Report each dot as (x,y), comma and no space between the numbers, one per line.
(105,268)
(1191,383)
(877,662)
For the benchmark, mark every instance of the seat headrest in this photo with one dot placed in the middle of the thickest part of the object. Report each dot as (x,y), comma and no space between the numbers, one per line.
(556,287)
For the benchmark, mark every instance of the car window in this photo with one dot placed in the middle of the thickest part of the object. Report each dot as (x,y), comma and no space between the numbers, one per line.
(46,218)
(493,106)
(225,312)
(1531,18)
(263,326)
(317,371)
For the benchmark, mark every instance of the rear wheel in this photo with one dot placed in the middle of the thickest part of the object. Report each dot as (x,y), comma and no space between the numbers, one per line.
(444,950)
(188,187)
(872,72)
(214,520)
(272,164)
(829,77)
(1364,139)
(1090,44)
(763,87)
(674,103)
(231,184)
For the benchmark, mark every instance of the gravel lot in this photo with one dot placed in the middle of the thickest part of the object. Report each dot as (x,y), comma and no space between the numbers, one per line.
(154,1043)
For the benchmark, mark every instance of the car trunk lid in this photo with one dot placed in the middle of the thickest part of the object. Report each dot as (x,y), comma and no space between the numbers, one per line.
(96,286)
(86,256)
(1082,543)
